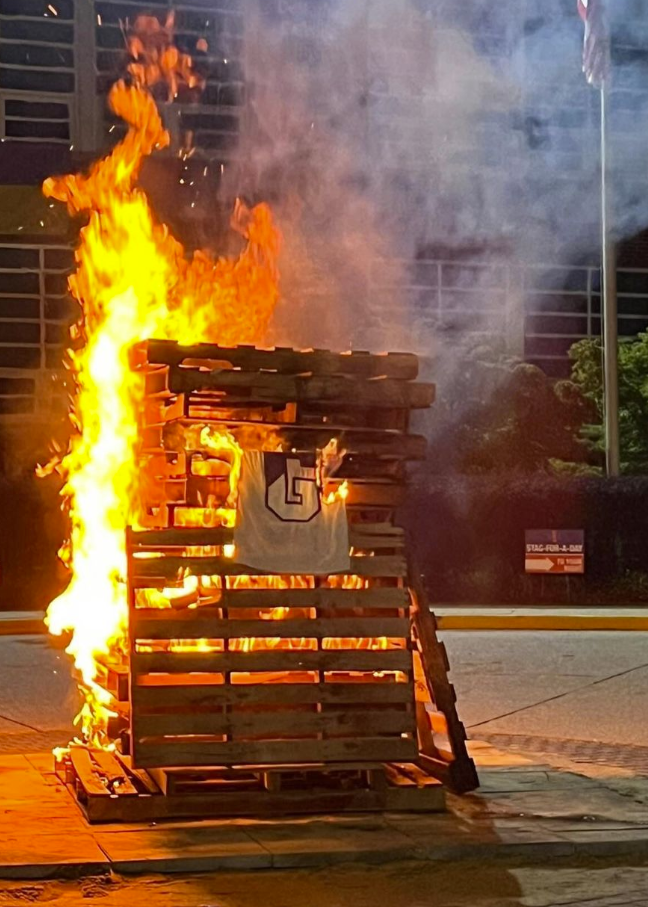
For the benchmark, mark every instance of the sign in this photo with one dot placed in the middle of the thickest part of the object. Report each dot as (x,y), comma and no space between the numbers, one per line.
(554,551)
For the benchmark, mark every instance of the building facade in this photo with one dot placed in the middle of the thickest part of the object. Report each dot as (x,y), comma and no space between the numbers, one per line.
(494,146)
(57,62)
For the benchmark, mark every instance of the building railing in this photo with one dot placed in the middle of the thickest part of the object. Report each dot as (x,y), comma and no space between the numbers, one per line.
(539,311)
(536,312)
(35,311)
(58,61)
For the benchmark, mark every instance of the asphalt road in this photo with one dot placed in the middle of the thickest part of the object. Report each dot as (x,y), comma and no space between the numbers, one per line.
(38,698)
(564,685)
(561,685)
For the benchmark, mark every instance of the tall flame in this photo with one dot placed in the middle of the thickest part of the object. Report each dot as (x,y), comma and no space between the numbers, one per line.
(134,281)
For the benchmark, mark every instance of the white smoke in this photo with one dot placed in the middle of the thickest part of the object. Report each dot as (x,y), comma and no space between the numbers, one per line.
(388,131)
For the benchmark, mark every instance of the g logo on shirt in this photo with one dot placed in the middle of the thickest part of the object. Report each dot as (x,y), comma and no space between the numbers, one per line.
(292,492)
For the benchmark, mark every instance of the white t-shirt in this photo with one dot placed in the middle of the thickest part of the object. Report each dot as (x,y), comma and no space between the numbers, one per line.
(283,525)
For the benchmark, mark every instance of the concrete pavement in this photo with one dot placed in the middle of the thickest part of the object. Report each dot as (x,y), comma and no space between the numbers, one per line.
(524,811)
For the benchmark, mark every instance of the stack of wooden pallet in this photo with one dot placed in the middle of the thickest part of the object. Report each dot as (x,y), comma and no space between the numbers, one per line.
(293,688)
(279,399)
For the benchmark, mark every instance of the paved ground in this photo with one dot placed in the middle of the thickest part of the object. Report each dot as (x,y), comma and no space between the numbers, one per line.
(38,699)
(576,701)
(531,837)
(590,686)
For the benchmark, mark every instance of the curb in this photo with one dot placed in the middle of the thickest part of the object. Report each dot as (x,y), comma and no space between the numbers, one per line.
(450,619)
(620,623)
(25,623)
(29,872)
(26,627)
(530,851)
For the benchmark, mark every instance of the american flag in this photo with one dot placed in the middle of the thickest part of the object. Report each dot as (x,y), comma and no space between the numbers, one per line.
(596,50)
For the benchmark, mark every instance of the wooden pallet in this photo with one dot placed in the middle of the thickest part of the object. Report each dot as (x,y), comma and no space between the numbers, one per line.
(284,360)
(191,708)
(108,789)
(297,399)
(308,695)
(442,736)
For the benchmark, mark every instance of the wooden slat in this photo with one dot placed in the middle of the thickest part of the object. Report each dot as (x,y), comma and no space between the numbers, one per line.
(83,767)
(379,493)
(373,494)
(168,567)
(292,723)
(364,535)
(114,679)
(144,779)
(266,387)
(381,536)
(274,660)
(217,695)
(263,804)
(116,776)
(357,467)
(229,804)
(288,361)
(209,624)
(358,441)
(209,779)
(334,599)
(370,749)
(182,776)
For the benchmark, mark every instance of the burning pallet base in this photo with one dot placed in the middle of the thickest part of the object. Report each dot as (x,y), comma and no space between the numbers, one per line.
(108,789)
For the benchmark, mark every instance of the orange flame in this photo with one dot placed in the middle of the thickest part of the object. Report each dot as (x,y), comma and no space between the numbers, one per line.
(134,281)
(155,57)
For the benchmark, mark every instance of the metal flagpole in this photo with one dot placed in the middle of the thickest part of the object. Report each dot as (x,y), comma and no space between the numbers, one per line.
(597,68)
(609,322)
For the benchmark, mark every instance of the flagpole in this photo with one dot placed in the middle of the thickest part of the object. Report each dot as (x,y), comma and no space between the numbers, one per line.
(609,321)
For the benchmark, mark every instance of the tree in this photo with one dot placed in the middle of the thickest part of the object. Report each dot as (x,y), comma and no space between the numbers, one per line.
(587,374)
(499,414)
